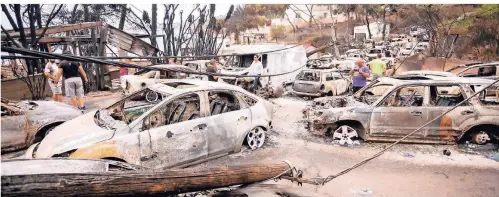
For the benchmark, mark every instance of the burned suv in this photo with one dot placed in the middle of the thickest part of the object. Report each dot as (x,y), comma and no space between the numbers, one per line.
(388,109)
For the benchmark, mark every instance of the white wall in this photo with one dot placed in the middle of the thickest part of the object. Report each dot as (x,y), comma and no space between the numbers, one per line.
(376,29)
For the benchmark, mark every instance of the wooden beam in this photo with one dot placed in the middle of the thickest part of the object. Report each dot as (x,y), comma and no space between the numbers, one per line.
(56,29)
(140,183)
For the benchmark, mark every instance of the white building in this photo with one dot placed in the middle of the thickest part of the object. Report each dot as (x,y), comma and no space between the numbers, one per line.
(362,33)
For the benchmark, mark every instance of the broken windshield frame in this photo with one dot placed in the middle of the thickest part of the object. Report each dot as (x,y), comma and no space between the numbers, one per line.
(129,108)
(359,95)
(309,75)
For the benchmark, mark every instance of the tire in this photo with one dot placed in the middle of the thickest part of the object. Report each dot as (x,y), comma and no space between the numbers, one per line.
(255,138)
(346,135)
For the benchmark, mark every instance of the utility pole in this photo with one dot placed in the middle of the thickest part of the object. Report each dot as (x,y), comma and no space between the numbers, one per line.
(335,38)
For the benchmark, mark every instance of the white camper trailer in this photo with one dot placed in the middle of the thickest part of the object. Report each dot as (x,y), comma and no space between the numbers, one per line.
(281,61)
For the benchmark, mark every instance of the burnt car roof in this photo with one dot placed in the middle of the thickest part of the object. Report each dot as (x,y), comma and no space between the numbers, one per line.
(198,85)
(440,80)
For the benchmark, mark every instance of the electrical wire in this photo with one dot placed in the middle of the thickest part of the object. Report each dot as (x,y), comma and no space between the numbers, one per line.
(127,65)
(194,57)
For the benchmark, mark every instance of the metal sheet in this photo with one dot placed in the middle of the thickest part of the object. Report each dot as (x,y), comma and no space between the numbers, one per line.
(130,43)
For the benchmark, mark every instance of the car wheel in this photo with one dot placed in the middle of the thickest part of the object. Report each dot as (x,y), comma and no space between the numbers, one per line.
(480,138)
(345,135)
(255,138)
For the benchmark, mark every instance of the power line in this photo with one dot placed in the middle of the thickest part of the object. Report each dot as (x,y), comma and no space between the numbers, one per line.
(162,57)
(127,65)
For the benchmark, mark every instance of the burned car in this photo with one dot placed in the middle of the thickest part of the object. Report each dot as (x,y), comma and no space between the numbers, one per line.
(405,106)
(316,83)
(27,122)
(485,70)
(171,124)
(144,78)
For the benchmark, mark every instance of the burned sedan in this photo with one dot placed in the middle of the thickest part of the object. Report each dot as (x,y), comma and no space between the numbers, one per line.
(27,122)
(315,82)
(177,123)
(144,78)
(405,106)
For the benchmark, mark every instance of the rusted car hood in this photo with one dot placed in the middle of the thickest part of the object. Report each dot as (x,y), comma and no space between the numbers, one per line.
(53,109)
(79,132)
(336,101)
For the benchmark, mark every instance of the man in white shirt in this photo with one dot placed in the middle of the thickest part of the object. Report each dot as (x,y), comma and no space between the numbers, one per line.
(256,68)
(50,72)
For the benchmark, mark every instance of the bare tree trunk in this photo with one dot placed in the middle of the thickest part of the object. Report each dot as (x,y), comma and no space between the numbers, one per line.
(384,23)
(311,15)
(38,15)
(122,17)
(368,28)
(9,17)
(17,11)
(348,24)
(86,16)
(154,24)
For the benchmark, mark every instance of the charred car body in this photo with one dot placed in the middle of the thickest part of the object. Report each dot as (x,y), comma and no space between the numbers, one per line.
(485,70)
(165,125)
(145,78)
(30,121)
(316,82)
(388,109)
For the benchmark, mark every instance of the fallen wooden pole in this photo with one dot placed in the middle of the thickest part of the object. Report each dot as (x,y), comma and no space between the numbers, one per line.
(135,183)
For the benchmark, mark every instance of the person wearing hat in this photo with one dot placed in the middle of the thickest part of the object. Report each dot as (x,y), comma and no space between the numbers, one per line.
(255,69)
(72,72)
(359,75)
(50,72)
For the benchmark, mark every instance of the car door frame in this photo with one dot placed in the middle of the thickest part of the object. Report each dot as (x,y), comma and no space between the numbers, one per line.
(232,131)
(376,129)
(444,128)
(146,145)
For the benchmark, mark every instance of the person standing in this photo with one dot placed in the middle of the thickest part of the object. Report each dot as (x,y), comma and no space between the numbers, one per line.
(378,67)
(212,68)
(255,69)
(359,75)
(50,72)
(72,72)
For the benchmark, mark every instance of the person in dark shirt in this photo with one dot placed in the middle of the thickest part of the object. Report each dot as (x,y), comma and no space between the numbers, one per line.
(72,72)
(212,68)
